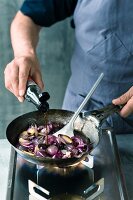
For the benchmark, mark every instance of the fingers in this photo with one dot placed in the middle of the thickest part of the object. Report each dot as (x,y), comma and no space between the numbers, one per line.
(126,99)
(11,73)
(15,80)
(23,77)
(15,77)
(38,79)
(127,109)
(17,73)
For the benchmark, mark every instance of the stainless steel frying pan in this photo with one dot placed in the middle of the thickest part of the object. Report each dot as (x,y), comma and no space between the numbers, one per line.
(88,125)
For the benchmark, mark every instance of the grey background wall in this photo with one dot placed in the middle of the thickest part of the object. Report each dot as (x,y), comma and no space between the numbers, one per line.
(54,52)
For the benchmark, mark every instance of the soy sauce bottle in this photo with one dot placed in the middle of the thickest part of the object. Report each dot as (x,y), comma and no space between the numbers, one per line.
(36,96)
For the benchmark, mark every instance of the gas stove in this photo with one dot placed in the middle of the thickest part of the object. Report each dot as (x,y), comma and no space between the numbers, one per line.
(99,178)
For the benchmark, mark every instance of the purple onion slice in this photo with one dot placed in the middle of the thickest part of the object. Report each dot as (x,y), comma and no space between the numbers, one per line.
(39,141)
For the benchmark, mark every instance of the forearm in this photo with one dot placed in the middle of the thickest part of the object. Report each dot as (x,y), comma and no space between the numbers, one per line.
(24,38)
(24,35)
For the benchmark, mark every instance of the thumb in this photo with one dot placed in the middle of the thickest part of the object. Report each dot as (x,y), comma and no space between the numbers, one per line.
(123,99)
(38,80)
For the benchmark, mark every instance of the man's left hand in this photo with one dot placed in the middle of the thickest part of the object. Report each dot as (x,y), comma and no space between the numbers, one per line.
(126,99)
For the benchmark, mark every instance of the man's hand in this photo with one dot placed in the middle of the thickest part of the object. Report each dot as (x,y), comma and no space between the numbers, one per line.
(24,38)
(126,99)
(17,73)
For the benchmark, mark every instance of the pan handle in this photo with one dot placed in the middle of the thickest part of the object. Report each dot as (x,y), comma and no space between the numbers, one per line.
(104,112)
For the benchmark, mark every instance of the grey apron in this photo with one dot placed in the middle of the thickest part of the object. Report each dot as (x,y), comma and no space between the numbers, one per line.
(103,43)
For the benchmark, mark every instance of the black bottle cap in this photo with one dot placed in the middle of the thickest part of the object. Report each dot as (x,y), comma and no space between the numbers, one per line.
(44,96)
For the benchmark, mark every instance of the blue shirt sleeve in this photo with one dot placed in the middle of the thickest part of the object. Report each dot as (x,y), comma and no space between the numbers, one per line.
(47,12)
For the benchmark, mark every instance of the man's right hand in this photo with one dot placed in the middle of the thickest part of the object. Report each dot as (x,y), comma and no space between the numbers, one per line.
(17,73)
(25,65)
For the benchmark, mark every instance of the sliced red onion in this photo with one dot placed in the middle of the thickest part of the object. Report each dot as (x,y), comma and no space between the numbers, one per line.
(51,139)
(40,142)
(52,150)
(59,154)
(41,153)
(24,142)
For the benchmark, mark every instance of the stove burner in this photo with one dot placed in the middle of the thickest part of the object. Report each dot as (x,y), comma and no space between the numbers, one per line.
(68,197)
(75,182)
(89,194)
(90,161)
(67,170)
